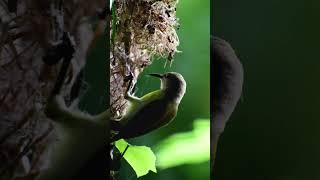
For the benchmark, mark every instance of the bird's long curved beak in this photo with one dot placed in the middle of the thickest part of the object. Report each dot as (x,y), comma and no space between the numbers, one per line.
(156,75)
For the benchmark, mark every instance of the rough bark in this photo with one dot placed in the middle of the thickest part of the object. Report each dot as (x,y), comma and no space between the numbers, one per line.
(28,29)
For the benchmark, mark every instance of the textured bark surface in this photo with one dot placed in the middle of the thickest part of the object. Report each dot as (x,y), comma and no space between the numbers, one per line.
(26,33)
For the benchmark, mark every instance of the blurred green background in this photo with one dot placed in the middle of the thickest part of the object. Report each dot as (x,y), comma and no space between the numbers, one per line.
(274,132)
(194,64)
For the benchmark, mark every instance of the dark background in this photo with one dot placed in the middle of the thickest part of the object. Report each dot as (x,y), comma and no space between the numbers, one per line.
(274,132)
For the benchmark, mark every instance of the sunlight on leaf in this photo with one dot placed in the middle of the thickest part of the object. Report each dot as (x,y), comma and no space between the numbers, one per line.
(185,148)
(140,158)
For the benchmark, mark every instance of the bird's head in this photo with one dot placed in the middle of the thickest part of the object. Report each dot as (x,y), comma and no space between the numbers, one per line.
(173,84)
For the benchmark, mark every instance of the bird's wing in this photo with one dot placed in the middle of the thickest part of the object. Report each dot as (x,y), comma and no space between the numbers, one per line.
(152,116)
(171,112)
(158,94)
(137,105)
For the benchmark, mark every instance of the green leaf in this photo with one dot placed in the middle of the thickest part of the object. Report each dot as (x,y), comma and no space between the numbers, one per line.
(185,148)
(140,158)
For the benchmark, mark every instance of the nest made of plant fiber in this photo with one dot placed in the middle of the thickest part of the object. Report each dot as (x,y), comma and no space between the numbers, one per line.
(140,30)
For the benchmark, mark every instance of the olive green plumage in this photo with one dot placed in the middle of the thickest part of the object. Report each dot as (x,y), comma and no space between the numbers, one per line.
(152,111)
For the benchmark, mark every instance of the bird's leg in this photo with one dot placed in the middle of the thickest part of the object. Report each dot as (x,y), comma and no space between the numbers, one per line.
(128,96)
(57,110)
(132,99)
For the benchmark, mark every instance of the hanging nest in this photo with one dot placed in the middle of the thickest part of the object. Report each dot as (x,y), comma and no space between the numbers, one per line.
(140,31)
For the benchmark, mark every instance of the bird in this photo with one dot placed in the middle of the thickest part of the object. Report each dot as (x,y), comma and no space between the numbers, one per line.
(152,111)
(81,139)
(227,85)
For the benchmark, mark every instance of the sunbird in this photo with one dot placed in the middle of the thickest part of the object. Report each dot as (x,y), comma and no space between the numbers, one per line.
(83,134)
(152,111)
